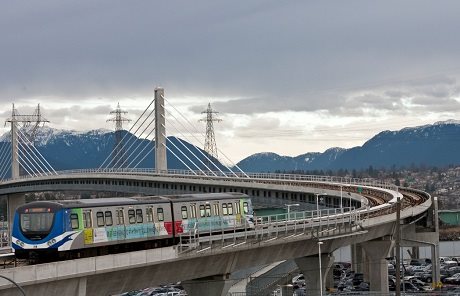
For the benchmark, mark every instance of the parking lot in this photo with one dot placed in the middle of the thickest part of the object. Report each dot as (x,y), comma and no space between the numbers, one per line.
(416,278)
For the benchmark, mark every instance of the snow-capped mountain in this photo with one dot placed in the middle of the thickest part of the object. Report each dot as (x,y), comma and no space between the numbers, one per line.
(66,150)
(436,144)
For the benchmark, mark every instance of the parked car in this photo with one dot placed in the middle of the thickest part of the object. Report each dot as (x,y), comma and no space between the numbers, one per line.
(298,280)
(420,262)
(454,279)
(453,270)
(358,278)
(405,286)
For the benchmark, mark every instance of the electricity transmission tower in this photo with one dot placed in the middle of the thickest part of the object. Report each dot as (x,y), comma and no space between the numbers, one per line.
(210,143)
(28,125)
(118,149)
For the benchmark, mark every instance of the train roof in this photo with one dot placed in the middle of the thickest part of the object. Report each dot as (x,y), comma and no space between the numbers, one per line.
(204,196)
(120,201)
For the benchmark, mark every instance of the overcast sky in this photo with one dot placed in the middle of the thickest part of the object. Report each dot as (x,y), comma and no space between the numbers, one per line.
(286,76)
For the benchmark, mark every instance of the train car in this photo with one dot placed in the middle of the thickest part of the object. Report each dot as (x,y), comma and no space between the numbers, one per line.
(212,212)
(88,227)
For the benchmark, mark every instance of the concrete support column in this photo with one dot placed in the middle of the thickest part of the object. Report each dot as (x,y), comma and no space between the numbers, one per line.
(376,252)
(13,201)
(81,286)
(357,258)
(217,285)
(160,131)
(435,275)
(366,266)
(309,266)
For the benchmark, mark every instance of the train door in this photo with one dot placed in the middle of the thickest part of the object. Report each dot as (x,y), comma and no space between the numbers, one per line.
(193,219)
(120,228)
(88,226)
(149,222)
(237,212)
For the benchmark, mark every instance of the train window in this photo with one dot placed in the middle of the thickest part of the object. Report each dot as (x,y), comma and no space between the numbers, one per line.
(100,219)
(230,208)
(216,209)
(131,216)
(160,214)
(149,214)
(120,217)
(245,207)
(108,218)
(87,219)
(74,221)
(193,211)
(208,210)
(237,208)
(184,212)
(139,217)
(224,209)
(202,213)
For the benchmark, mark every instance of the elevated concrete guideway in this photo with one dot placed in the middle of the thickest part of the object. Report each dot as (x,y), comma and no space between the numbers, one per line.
(207,262)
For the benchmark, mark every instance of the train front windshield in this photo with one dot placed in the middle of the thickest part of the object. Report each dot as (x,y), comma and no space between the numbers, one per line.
(36,222)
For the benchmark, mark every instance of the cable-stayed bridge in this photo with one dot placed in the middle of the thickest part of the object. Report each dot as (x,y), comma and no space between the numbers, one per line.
(336,212)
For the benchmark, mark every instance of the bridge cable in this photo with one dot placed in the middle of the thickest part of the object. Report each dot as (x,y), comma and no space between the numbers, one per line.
(6,171)
(180,160)
(24,164)
(134,138)
(142,159)
(140,142)
(199,150)
(4,152)
(194,146)
(145,146)
(186,120)
(22,150)
(28,159)
(182,143)
(31,158)
(5,162)
(185,156)
(39,159)
(41,156)
(129,131)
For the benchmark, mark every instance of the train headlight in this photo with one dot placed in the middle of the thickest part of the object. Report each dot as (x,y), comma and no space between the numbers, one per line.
(20,243)
(51,242)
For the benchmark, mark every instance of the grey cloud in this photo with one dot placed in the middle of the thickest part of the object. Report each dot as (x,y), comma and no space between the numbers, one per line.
(296,55)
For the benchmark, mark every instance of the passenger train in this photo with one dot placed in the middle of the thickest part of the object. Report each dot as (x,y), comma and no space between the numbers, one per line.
(52,230)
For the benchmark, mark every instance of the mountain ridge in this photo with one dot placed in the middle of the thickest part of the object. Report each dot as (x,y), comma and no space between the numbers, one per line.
(432,145)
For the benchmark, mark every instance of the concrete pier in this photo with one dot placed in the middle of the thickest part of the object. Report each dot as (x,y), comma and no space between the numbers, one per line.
(377,265)
(309,266)
(217,285)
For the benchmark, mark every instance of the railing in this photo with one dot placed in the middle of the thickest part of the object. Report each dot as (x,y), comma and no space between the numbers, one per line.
(261,284)
(217,235)
(229,175)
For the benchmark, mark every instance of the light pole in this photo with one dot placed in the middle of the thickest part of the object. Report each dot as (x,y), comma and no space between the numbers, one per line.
(320,271)
(317,202)
(289,209)
(341,199)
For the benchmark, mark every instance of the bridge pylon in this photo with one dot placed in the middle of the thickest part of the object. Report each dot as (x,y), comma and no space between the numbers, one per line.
(160,131)
(28,121)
